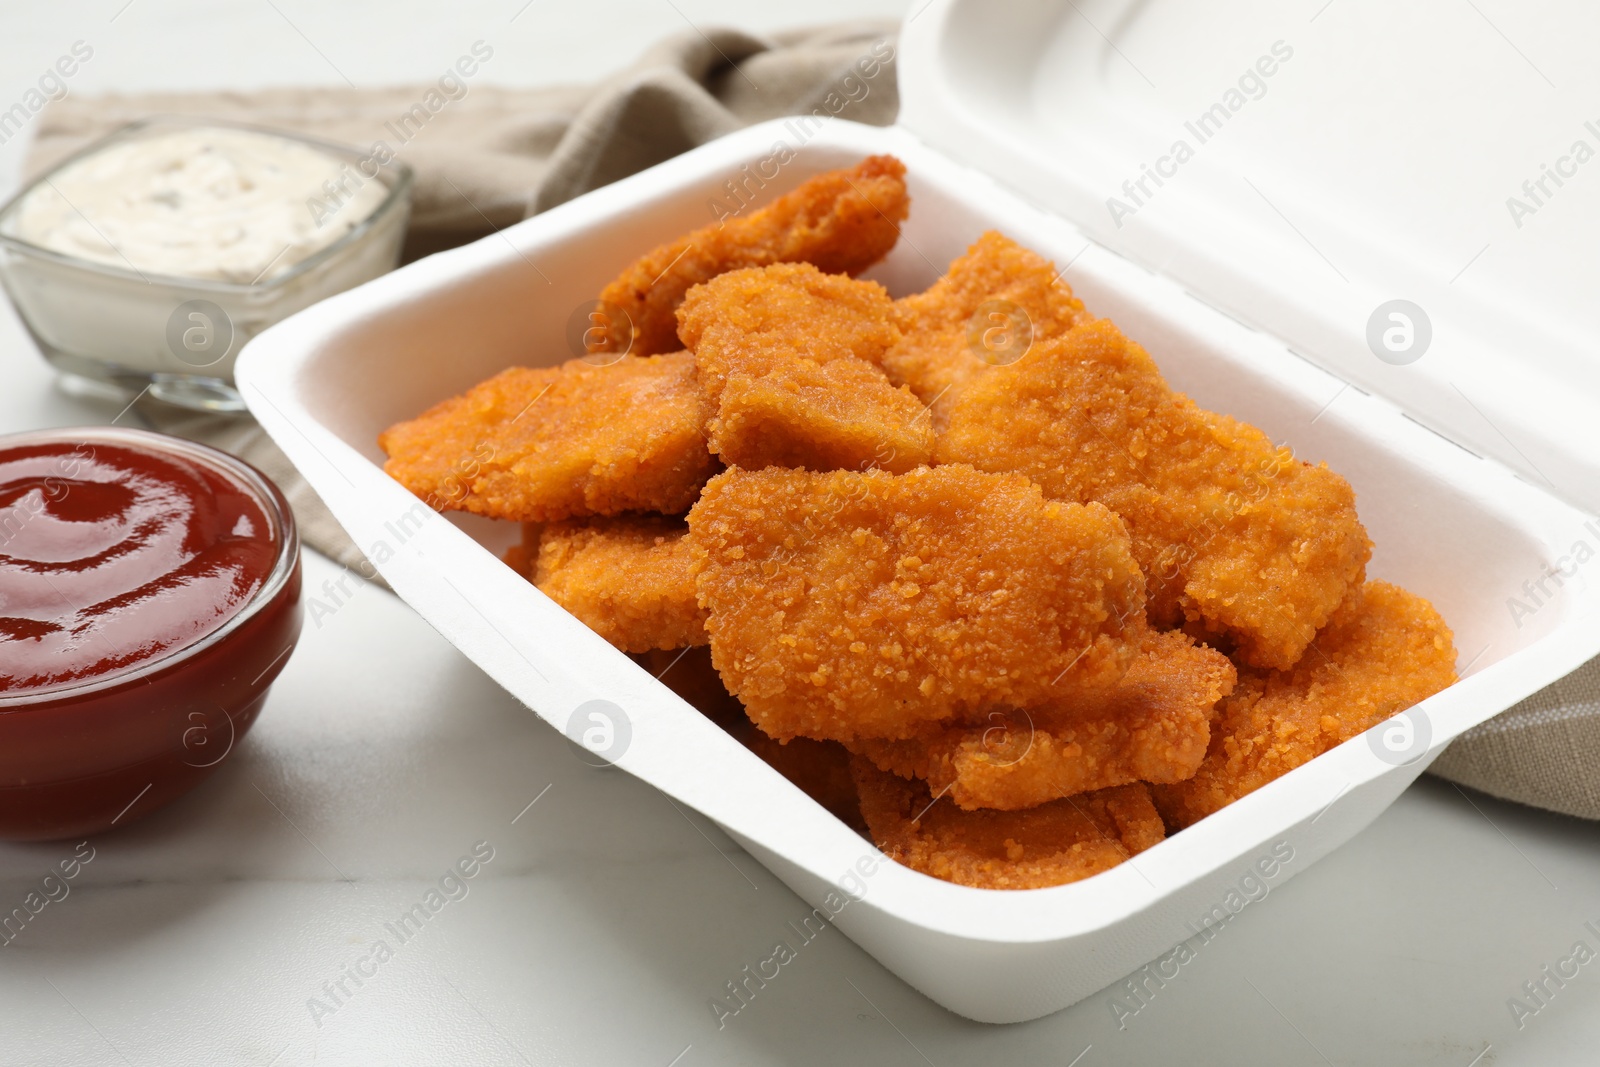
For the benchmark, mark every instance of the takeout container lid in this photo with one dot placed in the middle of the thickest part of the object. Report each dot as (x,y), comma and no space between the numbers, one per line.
(1449,524)
(1384,157)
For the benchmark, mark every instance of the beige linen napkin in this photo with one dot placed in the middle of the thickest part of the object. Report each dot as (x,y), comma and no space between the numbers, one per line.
(491,156)
(494,155)
(1544,752)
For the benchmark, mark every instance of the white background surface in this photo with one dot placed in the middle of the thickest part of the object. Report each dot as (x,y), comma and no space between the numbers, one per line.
(608,919)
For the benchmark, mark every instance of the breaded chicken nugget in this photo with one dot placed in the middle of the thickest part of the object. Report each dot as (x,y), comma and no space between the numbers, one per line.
(821,769)
(987,310)
(1384,651)
(843,221)
(743,321)
(1232,531)
(628,579)
(574,440)
(849,605)
(1153,726)
(788,355)
(1062,841)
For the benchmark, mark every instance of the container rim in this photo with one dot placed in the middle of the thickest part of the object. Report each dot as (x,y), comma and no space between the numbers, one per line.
(401,178)
(272,502)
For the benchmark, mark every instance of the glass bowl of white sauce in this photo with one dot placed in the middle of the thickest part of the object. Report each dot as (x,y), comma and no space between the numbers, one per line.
(148,259)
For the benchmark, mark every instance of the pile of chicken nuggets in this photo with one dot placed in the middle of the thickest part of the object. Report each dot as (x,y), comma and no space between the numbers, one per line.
(1013,613)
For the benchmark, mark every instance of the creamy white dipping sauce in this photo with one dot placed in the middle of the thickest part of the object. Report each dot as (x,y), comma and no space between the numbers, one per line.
(209,202)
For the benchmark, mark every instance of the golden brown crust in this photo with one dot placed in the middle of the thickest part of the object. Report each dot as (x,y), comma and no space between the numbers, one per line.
(627,579)
(1052,844)
(1153,726)
(1232,532)
(842,221)
(945,343)
(745,321)
(1384,651)
(848,605)
(788,356)
(561,442)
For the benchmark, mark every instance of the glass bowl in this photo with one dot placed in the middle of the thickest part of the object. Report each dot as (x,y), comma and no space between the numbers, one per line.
(115,331)
(87,756)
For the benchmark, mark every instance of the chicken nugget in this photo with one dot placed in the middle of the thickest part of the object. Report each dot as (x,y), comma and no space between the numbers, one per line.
(1234,534)
(788,355)
(993,304)
(1063,841)
(843,221)
(1153,726)
(745,321)
(847,605)
(1384,651)
(627,579)
(559,442)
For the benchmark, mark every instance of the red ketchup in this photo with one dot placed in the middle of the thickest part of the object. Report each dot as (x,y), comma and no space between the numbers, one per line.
(149,595)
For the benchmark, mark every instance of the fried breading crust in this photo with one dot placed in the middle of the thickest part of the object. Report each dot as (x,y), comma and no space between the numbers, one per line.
(1384,651)
(843,221)
(1153,726)
(1232,532)
(746,321)
(849,605)
(943,346)
(788,355)
(628,579)
(561,442)
(1052,844)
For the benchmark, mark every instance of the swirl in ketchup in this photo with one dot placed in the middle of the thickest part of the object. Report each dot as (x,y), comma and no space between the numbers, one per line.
(113,556)
(149,595)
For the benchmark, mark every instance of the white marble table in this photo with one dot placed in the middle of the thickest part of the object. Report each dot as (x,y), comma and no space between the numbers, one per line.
(607,918)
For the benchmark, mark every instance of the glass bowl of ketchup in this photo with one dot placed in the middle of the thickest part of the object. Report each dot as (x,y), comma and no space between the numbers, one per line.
(149,596)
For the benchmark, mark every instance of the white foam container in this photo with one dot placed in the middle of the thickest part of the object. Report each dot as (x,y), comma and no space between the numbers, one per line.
(1462,530)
